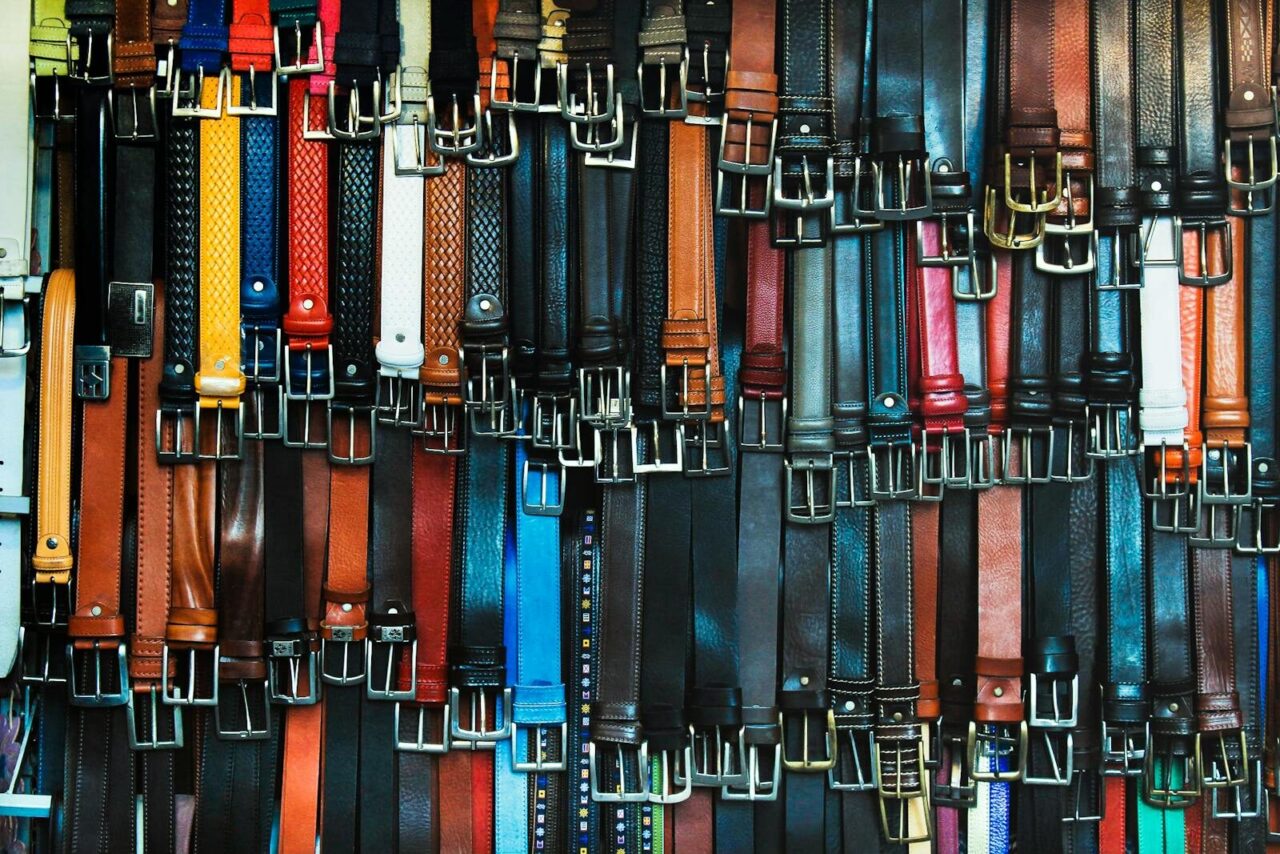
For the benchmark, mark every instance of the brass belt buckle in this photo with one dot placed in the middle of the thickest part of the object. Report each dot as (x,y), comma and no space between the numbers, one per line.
(1001,744)
(1171,774)
(807,762)
(902,786)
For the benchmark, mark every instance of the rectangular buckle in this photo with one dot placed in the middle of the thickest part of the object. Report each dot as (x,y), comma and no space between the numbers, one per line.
(1037,201)
(360,126)
(1002,225)
(670,783)
(552,486)
(581,452)
(144,125)
(770,421)
(658,455)
(421,164)
(1069,248)
(853,483)
(656,96)
(590,109)
(854,769)
(706,453)
(911,196)
(93,371)
(300,65)
(758,786)
(619,156)
(956,236)
(253,109)
(87,66)
(704,90)
(1058,746)
(902,787)
(287,656)
(356,414)
(957,788)
(1002,744)
(344,636)
(941,461)
(15,315)
(183,420)
(538,740)
(462,135)
(101,694)
(682,411)
(1170,771)
(399,398)
(604,396)
(1060,692)
(614,460)
(145,731)
(1124,749)
(421,742)
(818,504)
(305,412)
(1247,800)
(176,693)
(1069,461)
(513,102)
(554,415)
(499,149)
(625,779)
(1085,794)
(1226,764)
(716,757)
(807,763)
(733,177)
(810,201)
(854,210)
(47,98)
(889,466)
(1226,473)
(393,638)
(1035,442)
(317,382)
(38,664)
(1202,227)
(1126,254)
(242,724)
(489,395)
(1111,434)
(257,339)
(227,420)
(442,427)
(1253,523)
(1252,185)
(475,730)
(187,100)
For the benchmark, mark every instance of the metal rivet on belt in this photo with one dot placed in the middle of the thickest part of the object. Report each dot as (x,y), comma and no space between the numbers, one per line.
(998,691)
(848,705)
(96,610)
(308,304)
(897,717)
(258,284)
(351,369)
(804,680)
(51,543)
(346,606)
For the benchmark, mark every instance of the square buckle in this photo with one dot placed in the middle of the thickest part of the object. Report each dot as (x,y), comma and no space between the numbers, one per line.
(613,461)
(807,762)
(1069,248)
(854,210)
(145,731)
(672,783)
(266,109)
(442,428)
(758,786)
(716,757)
(187,100)
(853,482)
(656,96)
(589,109)
(1070,461)
(552,486)
(553,419)
(733,177)
(422,152)
(682,411)
(498,149)
(1226,764)
(1202,227)
(300,65)
(474,730)
(1086,796)
(38,664)
(101,694)
(145,124)
(244,725)
(942,461)
(1252,185)
(1253,523)
(854,769)
(604,395)
(658,455)
(1247,800)
(176,693)
(818,504)
(394,637)
(1034,443)
(810,201)
(1055,689)
(1058,745)
(228,420)
(360,126)
(1001,744)
(1226,473)
(356,414)
(399,398)
(1124,749)
(706,450)
(88,66)
(255,340)
(1111,434)
(704,90)
(911,196)
(770,421)
(889,464)
(625,779)
(463,134)
(1170,771)
(538,739)
(513,102)
(92,371)
(183,419)
(288,656)
(344,636)
(421,742)
(489,394)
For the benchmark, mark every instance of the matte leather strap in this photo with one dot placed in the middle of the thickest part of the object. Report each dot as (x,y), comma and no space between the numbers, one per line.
(52,559)
(1250,110)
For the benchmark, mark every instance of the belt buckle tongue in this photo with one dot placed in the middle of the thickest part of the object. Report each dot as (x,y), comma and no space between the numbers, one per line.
(658,455)
(601,117)
(816,195)
(145,731)
(1170,770)
(356,414)
(758,787)
(1226,473)
(174,692)
(625,779)
(59,603)
(243,724)
(704,90)
(818,504)
(957,789)
(1070,248)
(854,768)
(421,742)
(104,692)
(1002,744)
(656,96)
(499,149)
(1124,749)
(942,461)
(443,427)
(288,655)
(472,730)
(1058,746)
(1069,460)
(910,196)
(1202,227)
(421,163)
(1111,434)
(538,740)
(350,674)
(708,452)
(852,479)
(300,65)
(227,421)
(464,132)
(1175,505)
(1252,185)
(489,394)
(733,177)
(718,757)
(394,632)
(682,411)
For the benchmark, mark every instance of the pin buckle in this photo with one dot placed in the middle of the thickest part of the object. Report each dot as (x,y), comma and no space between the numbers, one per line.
(251,729)
(1058,254)
(1001,743)
(770,421)
(149,737)
(889,465)
(818,506)
(1241,806)
(622,774)
(810,200)
(552,486)
(422,151)
(807,763)
(758,786)
(81,63)
(498,149)
(1226,473)
(674,784)
(1059,747)
(1069,461)
(473,730)
(1226,765)
(706,449)
(99,697)
(859,201)
(394,632)
(1252,524)
(716,757)
(1171,776)
(513,102)
(399,397)
(942,461)
(957,789)
(442,427)
(604,396)
(902,787)
(538,737)
(1111,436)
(345,636)
(733,177)
(421,742)
(658,455)
(173,693)
(1124,749)
(187,100)
(287,657)
(463,135)
(299,64)
(1202,227)
(613,459)
(553,419)
(1126,240)
(857,743)
(253,108)
(660,106)
(355,415)
(703,90)
(139,131)
(1252,185)
(1085,788)
(912,174)
(228,420)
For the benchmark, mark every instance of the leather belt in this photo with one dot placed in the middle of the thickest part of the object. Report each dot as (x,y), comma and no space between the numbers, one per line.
(1249,117)
(749,128)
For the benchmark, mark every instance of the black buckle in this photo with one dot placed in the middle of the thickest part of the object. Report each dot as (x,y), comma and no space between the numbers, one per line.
(1226,764)
(548,501)
(145,124)
(1252,185)
(957,789)
(1111,433)
(176,693)
(807,763)
(1000,744)
(758,787)
(1124,749)
(145,731)
(472,730)
(1125,238)
(538,739)
(818,506)
(912,183)
(1058,746)
(673,782)
(902,786)
(287,657)
(299,64)
(1069,248)
(889,465)
(625,779)
(1202,227)
(103,695)
(248,728)
(771,420)
(356,414)
(346,637)
(718,758)
(733,177)
(1226,473)
(183,418)
(37,663)
(464,133)
(604,395)
(442,427)
(1170,771)
(227,420)
(810,200)
(92,371)
(1029,438)
(660,106)
(394,637)
(421,742)
(1253,523)
(1070,461)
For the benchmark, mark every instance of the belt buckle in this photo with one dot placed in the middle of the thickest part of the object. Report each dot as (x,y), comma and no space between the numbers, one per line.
(707,453)
(1002,743)
(463,134)
(1253,522)
(758,786)
(92,371)
(957,789)
(59,596)
(580,452)
(1175,506)
(770,412)
(902,787)
(346,636)
(942,461)
(316,385)
(1124,749)
(1088,804)
(674,784)
(682,411)
(704,90)
(911,196)
(359,126)
(179,451)
(442,428)
(1055,688)
(1242,806)
(47,97)
(1251,185)
(1037,201)
(421,742)
(87,67)
(253,109)
(858,202)
(807,763)
(1064,238)
(982,458)
(1202,227)
(394,636)
(1059,747)
(549,502)
(538,738)
(100,697)
(614,461)
(37,661)
(227,420)
(1170,771)
(1024,470)
(514,103)
(819,500)
(1226,765)
(139,130)
(554,416)
(733,176)
(889,465)
(622,773)
(249,729)
(716,757)
(587,113)
(489,396)
(857,772)
(148,736)
(612,156)
(604,395)
(173,693)
(287,655)
(422,151)
(473,731)
(9,306)
(973,285)
(187,99)
(1126,241)
(657,456)
(399,398)
(299,64)
(499,149)
(809,201)
(1070,461)
(1111,436)
(660,106)
(356,414)
(1218,461)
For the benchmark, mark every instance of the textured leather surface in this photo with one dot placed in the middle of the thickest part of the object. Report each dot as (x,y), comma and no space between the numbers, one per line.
(308,320)
(354,277)
(182,240)
(241,564)
(999,661)
(810,423)
(433,516)
(445,281)
(400,296)
(1217,704)
(925,543)
(940,382)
